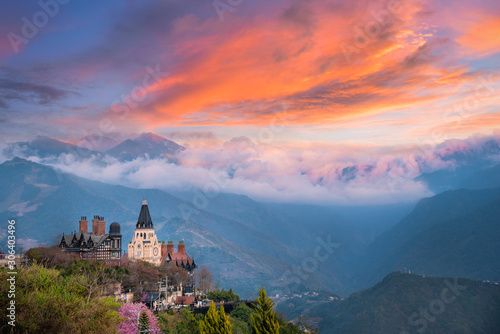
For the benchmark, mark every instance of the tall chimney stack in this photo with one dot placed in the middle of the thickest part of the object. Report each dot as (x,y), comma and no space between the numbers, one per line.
(181,248)
(84,225)
(94,224)
(170,247)
(101,226)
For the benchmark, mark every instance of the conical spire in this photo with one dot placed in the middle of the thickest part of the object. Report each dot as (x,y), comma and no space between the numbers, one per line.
(144,220)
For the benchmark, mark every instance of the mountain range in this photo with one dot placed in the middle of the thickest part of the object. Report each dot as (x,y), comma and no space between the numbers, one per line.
(246,243)
(408,303)
(146,145)
(47,203)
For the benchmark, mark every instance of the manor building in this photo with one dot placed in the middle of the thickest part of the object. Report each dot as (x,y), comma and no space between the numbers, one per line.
(95,244)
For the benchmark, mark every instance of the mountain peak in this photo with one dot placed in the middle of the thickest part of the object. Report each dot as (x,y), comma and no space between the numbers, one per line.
(150,144)
(151,137)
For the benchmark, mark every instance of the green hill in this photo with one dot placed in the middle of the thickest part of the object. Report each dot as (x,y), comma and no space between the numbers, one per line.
(407,303)
(46,203)
(454,233)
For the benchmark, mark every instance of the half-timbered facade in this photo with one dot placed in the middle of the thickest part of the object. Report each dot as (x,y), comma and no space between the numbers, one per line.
(96,244)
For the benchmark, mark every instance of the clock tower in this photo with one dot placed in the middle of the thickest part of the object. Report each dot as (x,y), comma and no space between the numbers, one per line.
(145,245)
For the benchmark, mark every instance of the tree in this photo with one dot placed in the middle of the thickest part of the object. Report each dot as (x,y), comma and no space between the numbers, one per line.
(183,322)
(215,322)
(50,257)
(204,279)
(47,302)
(224,324)
(137,317)
(92,275)
(143,326)
(142,276)
(176,275)
(222,295)
(264,321)
(242,312)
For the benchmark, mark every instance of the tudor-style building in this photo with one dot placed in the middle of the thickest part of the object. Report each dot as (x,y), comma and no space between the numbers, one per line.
(96,244)
(145,245)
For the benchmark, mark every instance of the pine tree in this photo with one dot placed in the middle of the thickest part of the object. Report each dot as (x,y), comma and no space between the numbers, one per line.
(264,321)
(224,324)
(143,326)
(211,322)
(215,322)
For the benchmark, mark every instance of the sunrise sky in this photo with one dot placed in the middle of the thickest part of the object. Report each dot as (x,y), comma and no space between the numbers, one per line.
(294,75)
(370,72)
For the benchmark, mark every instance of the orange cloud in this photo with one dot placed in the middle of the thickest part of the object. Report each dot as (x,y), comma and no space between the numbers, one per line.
(242,71)
(269,60)
(482,36)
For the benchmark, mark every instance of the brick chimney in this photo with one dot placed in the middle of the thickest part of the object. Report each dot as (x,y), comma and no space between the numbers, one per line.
(181,248)
(170,247)
(98,225)
(101,226)
(163,251)
(84,225)
(94,224)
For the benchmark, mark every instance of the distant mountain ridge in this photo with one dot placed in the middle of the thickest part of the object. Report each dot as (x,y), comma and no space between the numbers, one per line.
(148,144)
(454,233)
(47,203)
(44,147)
(406,303)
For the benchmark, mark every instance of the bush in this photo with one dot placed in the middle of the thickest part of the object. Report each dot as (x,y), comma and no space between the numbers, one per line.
(222,295)
(47,302)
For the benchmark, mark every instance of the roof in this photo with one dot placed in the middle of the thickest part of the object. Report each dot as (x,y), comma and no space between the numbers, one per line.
(180,257)
(184,300)
(76,240)
(144,220)
(67,239)
(151,296)
(114,229)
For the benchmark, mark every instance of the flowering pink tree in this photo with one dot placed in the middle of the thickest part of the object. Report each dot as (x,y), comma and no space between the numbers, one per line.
(131,315)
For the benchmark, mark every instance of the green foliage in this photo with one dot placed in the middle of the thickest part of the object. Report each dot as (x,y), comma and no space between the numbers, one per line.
(288,327)
(239,327)
(264,321)
(222,295)
(388,306)
(183,322)
(143,323)
(242,312)
(224,323)
(92,275)
(48,302)
(215,322)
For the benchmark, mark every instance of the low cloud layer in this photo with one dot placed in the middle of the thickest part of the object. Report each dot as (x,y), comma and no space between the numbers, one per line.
(338,175)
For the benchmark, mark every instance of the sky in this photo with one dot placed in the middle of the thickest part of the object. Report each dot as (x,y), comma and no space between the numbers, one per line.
(303,78)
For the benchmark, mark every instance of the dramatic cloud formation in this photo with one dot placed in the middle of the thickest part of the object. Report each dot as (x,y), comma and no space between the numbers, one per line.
(289,99)
(338,175)
(363,65)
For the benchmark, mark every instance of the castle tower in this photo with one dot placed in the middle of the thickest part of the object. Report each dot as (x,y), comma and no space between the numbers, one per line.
(145,245)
